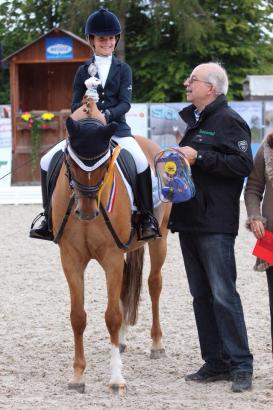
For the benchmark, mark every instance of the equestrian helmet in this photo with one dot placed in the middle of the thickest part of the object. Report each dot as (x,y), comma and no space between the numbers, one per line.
(102,23)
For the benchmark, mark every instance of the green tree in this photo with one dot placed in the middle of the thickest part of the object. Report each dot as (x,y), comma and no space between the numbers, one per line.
(159,36)
(162,39)
(21,22)
(167,39)
(238,38)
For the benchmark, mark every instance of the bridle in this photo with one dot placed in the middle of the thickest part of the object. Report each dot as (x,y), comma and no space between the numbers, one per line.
(81,190)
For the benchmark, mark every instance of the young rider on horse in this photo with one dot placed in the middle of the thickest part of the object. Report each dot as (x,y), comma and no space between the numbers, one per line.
(114,96)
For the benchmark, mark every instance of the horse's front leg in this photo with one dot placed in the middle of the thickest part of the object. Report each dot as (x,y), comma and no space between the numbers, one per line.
(113,319)
(75,277)
(122,336)
(157,251)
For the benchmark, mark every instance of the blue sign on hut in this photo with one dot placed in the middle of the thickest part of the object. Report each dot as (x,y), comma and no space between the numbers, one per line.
(41,79)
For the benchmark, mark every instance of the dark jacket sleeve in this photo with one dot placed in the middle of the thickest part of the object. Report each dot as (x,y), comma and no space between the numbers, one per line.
(79,88)
(232,156)
(125,94)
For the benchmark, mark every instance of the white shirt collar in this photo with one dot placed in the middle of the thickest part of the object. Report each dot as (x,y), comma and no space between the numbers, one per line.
(197,114)
(103,60)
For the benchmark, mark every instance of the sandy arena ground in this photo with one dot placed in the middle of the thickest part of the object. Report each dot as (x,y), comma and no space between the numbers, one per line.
(36,343)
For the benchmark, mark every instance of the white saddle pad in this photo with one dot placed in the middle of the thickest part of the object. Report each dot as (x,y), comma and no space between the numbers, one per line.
(156,199)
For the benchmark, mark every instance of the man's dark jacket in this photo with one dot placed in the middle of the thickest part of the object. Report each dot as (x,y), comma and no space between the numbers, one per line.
(115,96)
(223,142)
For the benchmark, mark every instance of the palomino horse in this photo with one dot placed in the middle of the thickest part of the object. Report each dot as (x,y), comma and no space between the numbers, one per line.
(87,236)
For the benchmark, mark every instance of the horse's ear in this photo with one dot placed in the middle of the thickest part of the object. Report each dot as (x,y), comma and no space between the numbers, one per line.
(110,129)
(72,127)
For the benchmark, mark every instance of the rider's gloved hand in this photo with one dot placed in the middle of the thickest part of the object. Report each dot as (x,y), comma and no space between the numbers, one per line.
(93,94)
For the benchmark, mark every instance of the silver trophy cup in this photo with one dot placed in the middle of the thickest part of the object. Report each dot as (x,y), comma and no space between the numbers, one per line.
(92,83)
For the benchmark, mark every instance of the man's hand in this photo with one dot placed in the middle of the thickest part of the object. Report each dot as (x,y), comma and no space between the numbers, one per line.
(190,154)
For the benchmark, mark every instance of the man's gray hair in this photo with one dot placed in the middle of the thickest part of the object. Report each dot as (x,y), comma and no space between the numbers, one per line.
(217,76)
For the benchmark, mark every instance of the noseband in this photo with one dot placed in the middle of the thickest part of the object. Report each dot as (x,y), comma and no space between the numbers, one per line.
(85,191)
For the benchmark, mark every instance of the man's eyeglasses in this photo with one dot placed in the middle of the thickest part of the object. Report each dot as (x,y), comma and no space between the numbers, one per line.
(191,80)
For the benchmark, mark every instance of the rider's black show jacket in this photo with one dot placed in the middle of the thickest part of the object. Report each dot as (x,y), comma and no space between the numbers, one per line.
(223,142)
(115,96)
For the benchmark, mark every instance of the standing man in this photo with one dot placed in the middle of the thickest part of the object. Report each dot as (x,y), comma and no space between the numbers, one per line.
(217,143)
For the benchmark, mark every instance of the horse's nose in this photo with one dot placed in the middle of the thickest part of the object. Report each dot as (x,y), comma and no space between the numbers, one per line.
(87,216)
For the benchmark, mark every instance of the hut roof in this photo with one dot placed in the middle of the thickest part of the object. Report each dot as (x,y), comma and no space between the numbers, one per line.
(53,30)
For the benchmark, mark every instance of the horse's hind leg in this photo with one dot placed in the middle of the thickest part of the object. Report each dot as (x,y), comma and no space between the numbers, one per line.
(157,251)
(75,278)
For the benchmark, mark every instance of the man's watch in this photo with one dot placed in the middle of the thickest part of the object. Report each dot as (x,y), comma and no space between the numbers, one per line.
(107,115)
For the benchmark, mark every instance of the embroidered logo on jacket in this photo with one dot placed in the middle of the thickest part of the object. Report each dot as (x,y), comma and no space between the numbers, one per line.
(243,145)
(206,132)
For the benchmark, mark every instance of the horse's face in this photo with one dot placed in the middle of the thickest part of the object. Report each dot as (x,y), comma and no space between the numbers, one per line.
(87,157)
(86,186)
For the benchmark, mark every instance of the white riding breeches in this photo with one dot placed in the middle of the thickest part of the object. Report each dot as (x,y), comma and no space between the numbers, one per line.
(128,143)
(45,160)
(132,146)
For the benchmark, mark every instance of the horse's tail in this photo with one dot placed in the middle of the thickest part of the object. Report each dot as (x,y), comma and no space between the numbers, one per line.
(132,283)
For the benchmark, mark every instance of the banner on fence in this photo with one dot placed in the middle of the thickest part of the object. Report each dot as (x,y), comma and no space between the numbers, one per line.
(5,151)
(167,128)
(137,119)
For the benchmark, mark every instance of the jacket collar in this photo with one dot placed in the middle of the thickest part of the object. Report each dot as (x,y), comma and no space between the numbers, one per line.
(113,68)
(187,114)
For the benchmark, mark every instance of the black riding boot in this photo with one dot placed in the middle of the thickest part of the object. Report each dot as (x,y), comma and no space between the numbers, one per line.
(148,223)
(42,231)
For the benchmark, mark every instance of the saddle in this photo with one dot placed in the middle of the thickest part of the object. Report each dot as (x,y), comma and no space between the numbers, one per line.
(52,176)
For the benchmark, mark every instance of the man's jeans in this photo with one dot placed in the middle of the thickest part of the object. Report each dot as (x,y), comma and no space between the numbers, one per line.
(211,270)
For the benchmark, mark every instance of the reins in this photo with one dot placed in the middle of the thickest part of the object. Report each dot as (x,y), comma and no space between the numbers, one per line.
(119,243)
(65,218)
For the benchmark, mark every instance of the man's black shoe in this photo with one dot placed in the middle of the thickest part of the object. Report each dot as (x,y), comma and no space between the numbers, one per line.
(42,232)
(205,374)
(241,381)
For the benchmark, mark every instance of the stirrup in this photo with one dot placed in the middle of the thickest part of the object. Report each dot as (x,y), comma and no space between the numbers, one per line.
(39,216)
(37,233)
(154,228)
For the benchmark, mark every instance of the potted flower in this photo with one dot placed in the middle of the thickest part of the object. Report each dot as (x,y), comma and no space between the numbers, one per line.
(35,124)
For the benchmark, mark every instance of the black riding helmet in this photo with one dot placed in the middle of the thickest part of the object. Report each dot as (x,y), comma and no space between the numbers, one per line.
(103,23)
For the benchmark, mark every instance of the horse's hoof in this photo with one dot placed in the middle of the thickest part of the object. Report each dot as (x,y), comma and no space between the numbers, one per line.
(79,387)
(157,353)
(122,348)
(118,389)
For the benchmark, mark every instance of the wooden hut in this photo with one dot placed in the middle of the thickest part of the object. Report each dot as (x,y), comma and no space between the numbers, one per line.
(41,79)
